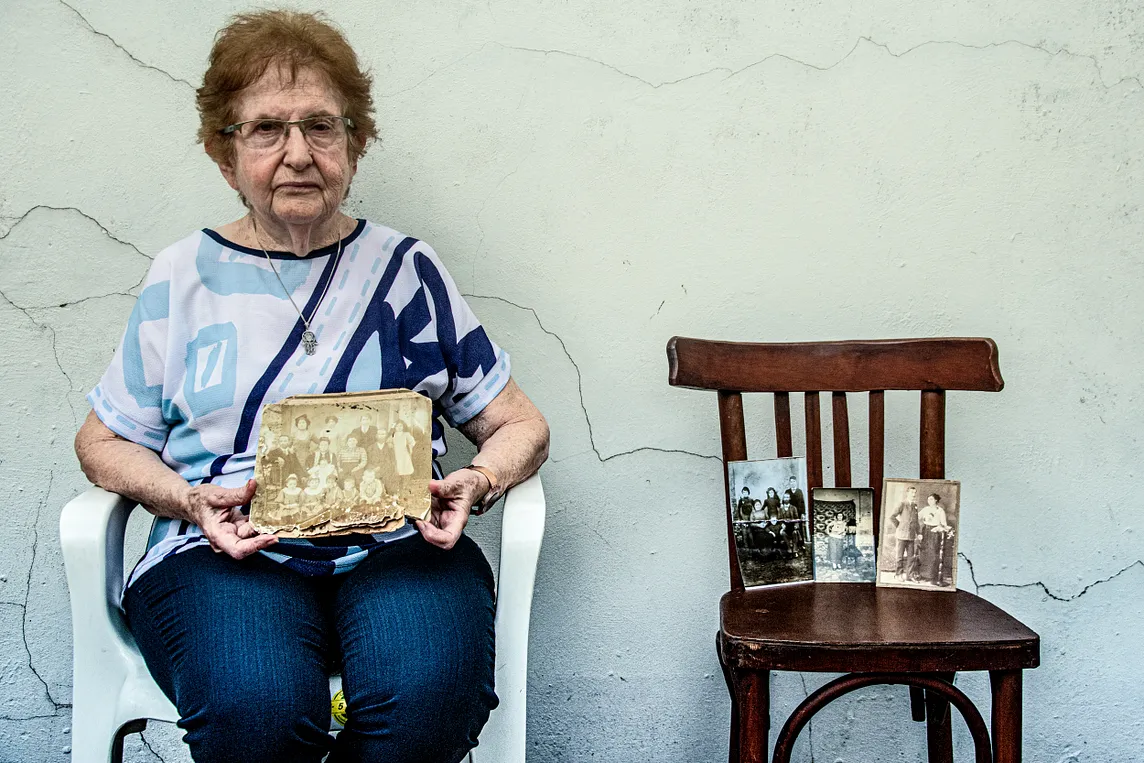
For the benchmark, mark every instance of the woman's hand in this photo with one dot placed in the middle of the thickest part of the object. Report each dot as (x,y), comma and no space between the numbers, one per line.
(452,499)
(216,511)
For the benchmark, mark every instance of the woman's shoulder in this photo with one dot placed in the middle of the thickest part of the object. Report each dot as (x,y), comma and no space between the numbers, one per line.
(415,253)
(176,256)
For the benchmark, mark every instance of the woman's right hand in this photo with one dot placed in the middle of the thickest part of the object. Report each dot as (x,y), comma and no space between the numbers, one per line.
(216,510)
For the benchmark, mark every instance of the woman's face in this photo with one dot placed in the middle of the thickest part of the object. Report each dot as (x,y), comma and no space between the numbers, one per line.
(292,184)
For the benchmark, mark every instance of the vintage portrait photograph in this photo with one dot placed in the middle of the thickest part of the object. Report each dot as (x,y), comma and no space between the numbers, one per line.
(920,520)
(342,464)
(769,504)
(843,522)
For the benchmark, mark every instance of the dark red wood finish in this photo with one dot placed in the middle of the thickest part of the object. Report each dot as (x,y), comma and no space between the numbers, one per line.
(841,440)
(877,445)
(880,635)
(813,441)
(782,425)
(733,431)
(912,364)
(935,686)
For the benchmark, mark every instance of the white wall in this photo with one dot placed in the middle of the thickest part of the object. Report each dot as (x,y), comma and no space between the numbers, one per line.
(605,175)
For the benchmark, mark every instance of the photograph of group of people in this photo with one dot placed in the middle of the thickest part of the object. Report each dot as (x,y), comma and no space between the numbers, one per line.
(843,535)
(769,515)
(919,534)
(776,540)
(316,457)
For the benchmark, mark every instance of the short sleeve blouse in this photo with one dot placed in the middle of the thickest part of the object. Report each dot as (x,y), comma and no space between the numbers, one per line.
(213,336)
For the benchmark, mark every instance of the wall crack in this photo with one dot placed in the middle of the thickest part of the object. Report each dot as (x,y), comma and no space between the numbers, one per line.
(730,73)
(55,352)
(1044,588)
(28,593)
(22,217)
(150,749)
(129,54)
(580,388)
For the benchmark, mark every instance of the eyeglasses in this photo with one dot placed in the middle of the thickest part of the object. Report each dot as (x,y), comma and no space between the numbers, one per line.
(320,132)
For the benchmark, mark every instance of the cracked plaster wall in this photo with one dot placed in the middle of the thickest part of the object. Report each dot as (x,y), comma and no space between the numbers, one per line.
(601,176)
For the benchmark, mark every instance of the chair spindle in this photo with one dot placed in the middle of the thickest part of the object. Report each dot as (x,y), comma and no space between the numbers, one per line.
(841,440)
(733,432)
(877,446)
(782,425)
(933,435)
(813,441)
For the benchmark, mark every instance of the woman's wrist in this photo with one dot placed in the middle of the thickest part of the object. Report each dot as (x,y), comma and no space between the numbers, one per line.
(486,483)
(184,505)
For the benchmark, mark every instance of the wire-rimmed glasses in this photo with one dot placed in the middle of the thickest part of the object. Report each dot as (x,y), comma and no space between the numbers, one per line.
(321,132)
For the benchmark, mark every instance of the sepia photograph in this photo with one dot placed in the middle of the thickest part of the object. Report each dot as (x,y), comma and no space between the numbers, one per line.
(770,520)
(342,464)
(920,520)
(843,522)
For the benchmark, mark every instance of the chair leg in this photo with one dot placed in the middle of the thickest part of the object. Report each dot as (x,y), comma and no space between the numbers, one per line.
(939,728)
(1006,720)
(733,744)
(754,702)
(134,727)
(917,704)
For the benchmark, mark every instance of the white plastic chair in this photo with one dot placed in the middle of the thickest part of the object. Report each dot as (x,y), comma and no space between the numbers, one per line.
(113,694)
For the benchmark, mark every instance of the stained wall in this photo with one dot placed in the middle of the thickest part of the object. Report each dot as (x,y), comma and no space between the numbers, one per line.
(600,176)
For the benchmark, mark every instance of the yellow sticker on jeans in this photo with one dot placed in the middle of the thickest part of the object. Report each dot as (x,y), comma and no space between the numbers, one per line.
(338,707)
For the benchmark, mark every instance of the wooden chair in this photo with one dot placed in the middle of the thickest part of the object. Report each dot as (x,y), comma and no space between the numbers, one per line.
(874,635)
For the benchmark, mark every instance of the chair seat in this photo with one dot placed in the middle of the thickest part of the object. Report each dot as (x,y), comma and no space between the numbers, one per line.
(860,628)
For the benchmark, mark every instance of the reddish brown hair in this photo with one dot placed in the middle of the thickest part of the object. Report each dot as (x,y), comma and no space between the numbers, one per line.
(251,43)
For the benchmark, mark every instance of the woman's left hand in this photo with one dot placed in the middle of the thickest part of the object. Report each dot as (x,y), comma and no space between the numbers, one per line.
(452,499)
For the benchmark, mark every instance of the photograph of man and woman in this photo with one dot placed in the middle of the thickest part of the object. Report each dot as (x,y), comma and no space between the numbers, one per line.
(769,514)
(317,457)
(843,535)
(918,546)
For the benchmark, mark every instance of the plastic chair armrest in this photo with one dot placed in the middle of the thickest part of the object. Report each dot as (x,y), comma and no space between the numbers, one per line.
(522,530)
(92,527)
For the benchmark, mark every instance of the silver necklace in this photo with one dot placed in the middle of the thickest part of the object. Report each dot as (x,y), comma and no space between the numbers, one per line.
(309,340)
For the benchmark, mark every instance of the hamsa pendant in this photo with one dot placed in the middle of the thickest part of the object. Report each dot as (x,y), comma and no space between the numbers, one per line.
(309,342)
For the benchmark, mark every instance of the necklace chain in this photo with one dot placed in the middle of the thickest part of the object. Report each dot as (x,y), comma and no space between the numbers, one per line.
(309,340)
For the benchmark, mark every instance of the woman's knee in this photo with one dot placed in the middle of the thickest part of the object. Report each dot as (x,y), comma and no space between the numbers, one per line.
(251,723)
(421,723)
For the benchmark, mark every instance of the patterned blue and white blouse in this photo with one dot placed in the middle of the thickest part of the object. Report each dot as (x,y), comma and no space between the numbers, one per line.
(213,337)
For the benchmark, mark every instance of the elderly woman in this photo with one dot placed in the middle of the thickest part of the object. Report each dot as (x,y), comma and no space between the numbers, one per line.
(239,629)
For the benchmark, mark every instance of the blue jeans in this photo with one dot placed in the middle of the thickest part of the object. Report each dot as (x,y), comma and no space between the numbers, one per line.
(244,650)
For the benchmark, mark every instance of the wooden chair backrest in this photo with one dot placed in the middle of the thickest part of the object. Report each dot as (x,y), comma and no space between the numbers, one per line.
(930,366)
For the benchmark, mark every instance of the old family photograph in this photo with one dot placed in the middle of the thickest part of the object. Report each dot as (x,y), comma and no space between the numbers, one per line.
(776,541)
(843,523)
(320,455)
(919,534)
(769,514)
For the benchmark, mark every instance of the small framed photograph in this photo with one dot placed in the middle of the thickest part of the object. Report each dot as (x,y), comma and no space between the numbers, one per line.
(843,535)
(770,519)
(920,521)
